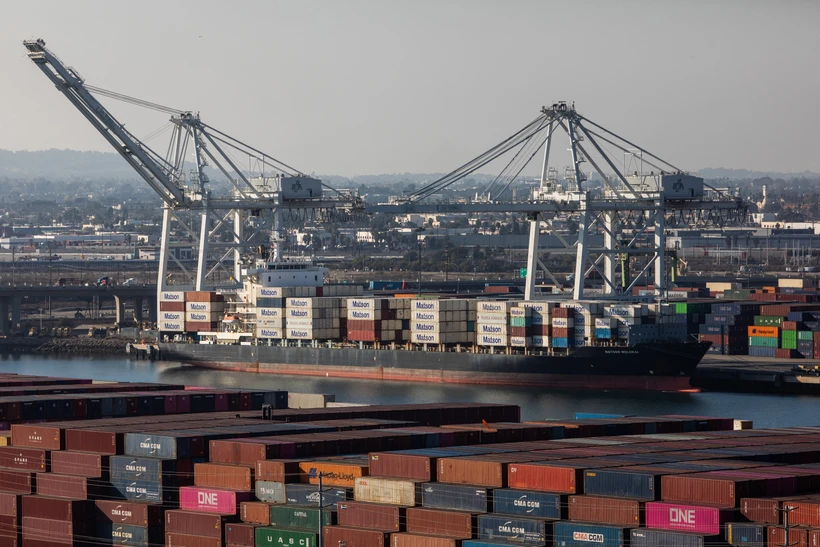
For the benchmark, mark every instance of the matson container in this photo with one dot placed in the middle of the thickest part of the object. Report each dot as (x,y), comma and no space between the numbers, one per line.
(240,535)
(213,501)
(195,524)
(605,510)
(644,537)
(688,518)
(182,540)
(420,540)
(528,503)
(229,477)
(352,537)
(273,537)
(457,497)
(576,534)
(390,491)
(373,516)
(138,514)
(746,534)
(254,512)
(515,529)
(453,524)
(546,477)
(300,518)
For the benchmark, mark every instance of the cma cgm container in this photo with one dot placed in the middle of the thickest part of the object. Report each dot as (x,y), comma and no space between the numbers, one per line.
(528,503)
(576,534)
(353,537)
(138,514)
(128,534)
(622,484)
(515,529)
(645,537)
(457,497)
(386,518)
(688,518)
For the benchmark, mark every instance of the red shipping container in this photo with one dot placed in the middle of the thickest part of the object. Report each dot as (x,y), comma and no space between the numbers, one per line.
(20,482)
(708,489)
(354,537)
(93,466)
(57,508)
(688,518)
(545,477)
(8,505)
(195,524)
(241,535)
(64,486)
(805,512)
(254,512)
(279,471)
(23,459)
(419,540)
(183,540)
(454,524)
(210,500)
(605,510)
(403,466)
(227,477)
(798,537)
(172,306)
(763,510)
(95,441)
(9,531)
(358,514)
(53,531)
(37,436)
(124,512)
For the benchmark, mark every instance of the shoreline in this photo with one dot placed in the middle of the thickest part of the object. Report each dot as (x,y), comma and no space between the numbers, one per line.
(62,346)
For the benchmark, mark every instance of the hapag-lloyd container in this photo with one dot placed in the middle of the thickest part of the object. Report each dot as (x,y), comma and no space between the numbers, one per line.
(515,529)
(527,503)
(222,502)
(688,518)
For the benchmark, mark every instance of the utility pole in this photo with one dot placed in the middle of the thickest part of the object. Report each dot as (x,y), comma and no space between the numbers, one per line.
(314,474)
(786,528)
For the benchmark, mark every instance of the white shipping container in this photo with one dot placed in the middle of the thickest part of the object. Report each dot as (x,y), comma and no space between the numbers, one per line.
(358,314)
(269,292)
(425,305)
(563,322)
(424,326)
(269,332)
(172,296)
(520,312)
(364,304)
(275,323)
(299,303)
(492,306)
(203,316)
(485,328)
(270,313)
(492,340)
(541,341)
(606,323)
(594,308)
(207,307)
(419,315)
(538,306)
(520,341)
(302,313)
(388,491)
(172,326)
(540,318)
(491,318)
(299,322)
(172,316)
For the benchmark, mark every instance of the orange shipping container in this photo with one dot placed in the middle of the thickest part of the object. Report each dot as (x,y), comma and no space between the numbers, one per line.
(770,332)
(254,512)
(798,537)
(487,470)
(545,477)
(335,473)
(279,471)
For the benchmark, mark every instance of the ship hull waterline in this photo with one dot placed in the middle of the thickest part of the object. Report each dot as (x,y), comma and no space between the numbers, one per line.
(645,367)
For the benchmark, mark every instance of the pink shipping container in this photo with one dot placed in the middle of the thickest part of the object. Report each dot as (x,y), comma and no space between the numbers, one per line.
(209,500)
(701,519)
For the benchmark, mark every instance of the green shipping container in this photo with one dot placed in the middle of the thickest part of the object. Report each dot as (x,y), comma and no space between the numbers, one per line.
(805,335)
(280,537)
(300,518)
(766,321)
(764,341)
(789,339)
(520,321)
(680,308)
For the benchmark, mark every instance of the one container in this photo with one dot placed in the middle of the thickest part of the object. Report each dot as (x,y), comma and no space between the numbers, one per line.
(577,534)
(438,522)
(688,518)
(605,510)
(210,500)
(373,516)
(353,537)
(390,491)
(514,529)
(274,537)
(528,503)
(798,537)
(300,518)
(457,497)
(644,537)
(37,436)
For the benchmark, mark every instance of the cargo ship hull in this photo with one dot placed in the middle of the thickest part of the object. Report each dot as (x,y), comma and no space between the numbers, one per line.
(645,367)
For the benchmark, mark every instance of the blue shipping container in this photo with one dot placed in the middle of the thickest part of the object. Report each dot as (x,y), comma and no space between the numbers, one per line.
(308,494)
(648,537)
(603,333)
(143,491)
(746,534)
(187,444)
(488,543)
(473,499)
(531,504)
(513,529)
(146,469)
(622,484)
(576,534)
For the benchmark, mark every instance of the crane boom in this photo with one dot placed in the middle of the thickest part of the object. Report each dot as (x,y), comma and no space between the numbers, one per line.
(136,153)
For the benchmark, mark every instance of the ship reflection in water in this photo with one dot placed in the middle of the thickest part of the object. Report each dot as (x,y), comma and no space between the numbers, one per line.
(536,403)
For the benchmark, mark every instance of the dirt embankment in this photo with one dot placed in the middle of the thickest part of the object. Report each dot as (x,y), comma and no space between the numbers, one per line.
(66,346)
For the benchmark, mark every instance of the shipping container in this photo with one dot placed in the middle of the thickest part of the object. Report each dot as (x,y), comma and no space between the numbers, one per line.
(71,487)
(19,482)
(457,497)
(54,531)
(422,540)
(529,503)
(274,537)
(308,494)
(195,524)
(228,477)
(353,537)
(513,529)
(210,500)
(128,534)
(439,522)
(338,473)
(699,519)
(577,534)
(301,518)
(57,508)
(24,459)
(645,537)
(254,512)
(93,466)
(743,534)
(798,537)
(373,516)
(622,484)
(182,540)
(708,490)
(605,510)
(138,514)
(546,477)
(240,535)
(94,441)
(37,436)
(389,491)
(278,470)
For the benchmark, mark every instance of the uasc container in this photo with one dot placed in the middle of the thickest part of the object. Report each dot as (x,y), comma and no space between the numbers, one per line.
(274,537)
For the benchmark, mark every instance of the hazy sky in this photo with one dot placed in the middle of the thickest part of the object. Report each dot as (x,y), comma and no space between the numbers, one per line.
(366,87)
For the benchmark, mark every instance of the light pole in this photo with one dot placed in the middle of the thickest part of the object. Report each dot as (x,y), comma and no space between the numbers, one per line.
(313,474)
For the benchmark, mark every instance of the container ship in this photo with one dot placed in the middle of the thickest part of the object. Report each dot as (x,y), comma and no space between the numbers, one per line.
(285,320)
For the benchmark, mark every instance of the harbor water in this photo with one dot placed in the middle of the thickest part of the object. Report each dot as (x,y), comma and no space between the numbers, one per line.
(536,403)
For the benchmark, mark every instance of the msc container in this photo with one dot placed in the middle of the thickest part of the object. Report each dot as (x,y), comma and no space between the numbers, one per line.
(300,518)
(452,524)
(605,510)
(128,534)
(745,534)
(254,512)
(622,484)
(688,518)
(422,540)
(213,501)
(354,537)
(390,491)
(229,477)
(576,534)
(138,514)
(24,459)
(644,537)
(195,524)
(182,540)
(546,477)
(274,537)
(528,503)
(269,491)
(386,518)
(514,529)
(93,466)
(457,497)
(308,494)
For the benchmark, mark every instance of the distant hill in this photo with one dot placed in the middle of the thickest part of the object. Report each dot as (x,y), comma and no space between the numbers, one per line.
(740,174)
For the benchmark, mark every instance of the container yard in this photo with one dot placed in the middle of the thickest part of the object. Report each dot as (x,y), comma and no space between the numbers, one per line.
(259,474)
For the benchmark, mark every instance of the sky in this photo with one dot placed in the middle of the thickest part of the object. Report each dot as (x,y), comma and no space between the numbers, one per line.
(353,87)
